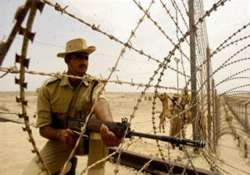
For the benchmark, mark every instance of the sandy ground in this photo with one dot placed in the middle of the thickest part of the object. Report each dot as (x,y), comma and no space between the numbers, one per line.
(15,150)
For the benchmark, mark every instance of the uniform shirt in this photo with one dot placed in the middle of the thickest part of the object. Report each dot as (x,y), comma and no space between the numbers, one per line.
(57,96)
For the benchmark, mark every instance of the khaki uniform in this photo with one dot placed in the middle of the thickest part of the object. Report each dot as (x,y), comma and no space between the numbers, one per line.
(57,101)
(176,123)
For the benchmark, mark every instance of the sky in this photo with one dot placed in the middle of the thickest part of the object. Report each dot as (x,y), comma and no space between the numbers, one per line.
(119,18)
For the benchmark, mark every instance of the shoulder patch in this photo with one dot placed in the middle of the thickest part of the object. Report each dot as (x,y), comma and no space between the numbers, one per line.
(51,80)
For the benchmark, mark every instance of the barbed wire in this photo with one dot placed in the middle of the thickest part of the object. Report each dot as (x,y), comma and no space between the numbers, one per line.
(14,70)
(162,65)
(200,20)
(229,38)
(97,28)
(177,115)
(172,18)
(184,170)
(235,42)
(3,75)
(161,29)
(24,63)
(181,14)
(231,76)
(83,128)
(153,119)
(223,64)
(236,74)
(117,171)
(144,166)
(185,7)
(180,48)
(228,110)
(154,127)
(190,161)
(234,88)
(189,158)
(177,29)
(235,54)
(235,96)
(234,105)
(208,156)
(201,32)
(235,61)
(98,162)
(237,92)
(213,165)
(229,165)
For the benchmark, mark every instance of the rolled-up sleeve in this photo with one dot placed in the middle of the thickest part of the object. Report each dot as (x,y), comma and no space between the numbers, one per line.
(43,108)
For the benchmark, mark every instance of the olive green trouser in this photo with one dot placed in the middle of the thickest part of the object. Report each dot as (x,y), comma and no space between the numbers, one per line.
(55,154)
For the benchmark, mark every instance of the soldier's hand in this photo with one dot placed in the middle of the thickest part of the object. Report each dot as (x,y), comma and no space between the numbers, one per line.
(108,137)
(66,136)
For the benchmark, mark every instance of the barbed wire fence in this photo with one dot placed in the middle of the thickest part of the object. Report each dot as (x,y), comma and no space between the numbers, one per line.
(201,41)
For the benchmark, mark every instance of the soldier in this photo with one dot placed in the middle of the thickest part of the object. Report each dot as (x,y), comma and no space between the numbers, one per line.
(62,99)
(185,105)
(165,111)
(176,122)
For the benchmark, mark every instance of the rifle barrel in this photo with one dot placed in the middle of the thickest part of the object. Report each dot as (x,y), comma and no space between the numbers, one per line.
(171,139)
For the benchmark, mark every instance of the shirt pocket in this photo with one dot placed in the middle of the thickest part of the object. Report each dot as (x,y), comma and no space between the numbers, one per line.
(60,103)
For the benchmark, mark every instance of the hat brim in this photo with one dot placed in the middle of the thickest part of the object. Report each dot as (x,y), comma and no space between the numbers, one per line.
(87,51)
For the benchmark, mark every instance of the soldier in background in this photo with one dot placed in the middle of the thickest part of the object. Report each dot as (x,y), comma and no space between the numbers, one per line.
(165,114)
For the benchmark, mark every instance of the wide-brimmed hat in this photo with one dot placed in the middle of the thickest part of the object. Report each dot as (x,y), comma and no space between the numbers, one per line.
(78,45)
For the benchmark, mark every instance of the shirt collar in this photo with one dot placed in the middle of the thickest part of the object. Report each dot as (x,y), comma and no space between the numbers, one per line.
(65,81)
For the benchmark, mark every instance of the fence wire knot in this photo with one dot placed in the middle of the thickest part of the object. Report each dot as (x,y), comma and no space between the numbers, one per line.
(58,7)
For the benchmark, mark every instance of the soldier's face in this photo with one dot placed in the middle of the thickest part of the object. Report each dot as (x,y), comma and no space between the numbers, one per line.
(78,64)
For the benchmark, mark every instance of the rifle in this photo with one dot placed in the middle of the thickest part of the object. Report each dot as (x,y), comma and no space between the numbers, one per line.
(119,129)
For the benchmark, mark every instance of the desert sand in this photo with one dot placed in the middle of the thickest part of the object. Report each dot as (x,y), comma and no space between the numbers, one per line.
(15,150)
